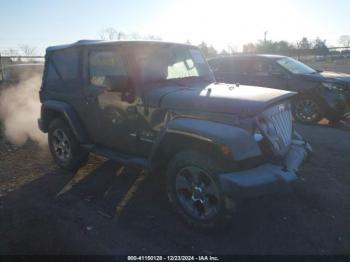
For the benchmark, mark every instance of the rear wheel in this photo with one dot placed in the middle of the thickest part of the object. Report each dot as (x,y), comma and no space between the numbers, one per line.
(64,146)
(194,190)
(307,110)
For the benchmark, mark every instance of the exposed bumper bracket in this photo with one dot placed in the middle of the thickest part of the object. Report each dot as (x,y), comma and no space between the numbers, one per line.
(267,178)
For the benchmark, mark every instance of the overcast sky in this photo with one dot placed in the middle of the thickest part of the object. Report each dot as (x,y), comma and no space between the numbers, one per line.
(42,23)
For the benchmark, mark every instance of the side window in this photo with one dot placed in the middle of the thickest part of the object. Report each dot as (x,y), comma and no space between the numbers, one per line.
(259,68)
(238,66)
(183,63)
(104,64)
(66,64)
(224,66)
(182,69)
(275,69)
(63,66)
(230,66)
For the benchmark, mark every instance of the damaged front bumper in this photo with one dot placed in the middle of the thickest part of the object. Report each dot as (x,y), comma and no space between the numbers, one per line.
(267,178)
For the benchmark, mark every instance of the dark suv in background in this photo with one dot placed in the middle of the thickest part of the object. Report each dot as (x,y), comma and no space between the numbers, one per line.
(321,94)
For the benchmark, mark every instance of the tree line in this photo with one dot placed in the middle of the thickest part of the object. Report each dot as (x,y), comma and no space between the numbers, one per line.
(317,46)
(305,46)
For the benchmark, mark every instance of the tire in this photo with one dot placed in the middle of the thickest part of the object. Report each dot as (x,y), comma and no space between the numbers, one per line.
(64,147)
(200,203)
(307,110)
(335,120)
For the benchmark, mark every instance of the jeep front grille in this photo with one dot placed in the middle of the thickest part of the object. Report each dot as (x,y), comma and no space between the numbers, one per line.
(278,127)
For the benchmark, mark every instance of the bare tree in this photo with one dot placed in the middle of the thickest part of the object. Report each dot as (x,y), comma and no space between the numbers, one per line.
(208,51)
(12,52)
(153,37)
(231,49)
(344,40)
(27,50)
(249,48)
(304,44)
(110,33)
(133,36)
(320,47)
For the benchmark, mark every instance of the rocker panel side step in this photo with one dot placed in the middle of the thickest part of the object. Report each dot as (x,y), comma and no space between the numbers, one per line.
(126,159)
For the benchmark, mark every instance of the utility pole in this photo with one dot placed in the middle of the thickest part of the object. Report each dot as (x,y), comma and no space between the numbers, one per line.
(265,33)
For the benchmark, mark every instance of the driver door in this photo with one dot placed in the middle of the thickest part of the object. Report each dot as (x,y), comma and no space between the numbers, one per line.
(266,74)
(106,118)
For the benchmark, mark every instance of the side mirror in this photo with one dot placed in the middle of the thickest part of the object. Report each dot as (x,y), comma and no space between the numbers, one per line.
(117,83)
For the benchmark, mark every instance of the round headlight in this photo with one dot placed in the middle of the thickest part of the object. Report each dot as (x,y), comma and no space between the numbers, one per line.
(258,136)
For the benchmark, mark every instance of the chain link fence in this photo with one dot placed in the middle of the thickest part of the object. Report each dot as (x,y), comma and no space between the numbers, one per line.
(7,61)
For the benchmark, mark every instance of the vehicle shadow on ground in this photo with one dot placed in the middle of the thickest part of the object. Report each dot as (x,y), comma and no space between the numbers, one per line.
(83,221)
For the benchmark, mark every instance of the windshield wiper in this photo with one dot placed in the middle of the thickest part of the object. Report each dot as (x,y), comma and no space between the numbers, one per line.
(156,81)
(202,78)
(178,81)
(161,81)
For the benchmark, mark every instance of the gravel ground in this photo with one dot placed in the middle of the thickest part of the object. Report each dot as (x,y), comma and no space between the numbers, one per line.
(313,218)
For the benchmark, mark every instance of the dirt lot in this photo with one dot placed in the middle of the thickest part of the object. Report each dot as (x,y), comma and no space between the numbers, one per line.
(311,219)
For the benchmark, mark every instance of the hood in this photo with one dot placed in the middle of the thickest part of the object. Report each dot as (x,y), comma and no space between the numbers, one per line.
(329,76)
(216,98)
(337,76)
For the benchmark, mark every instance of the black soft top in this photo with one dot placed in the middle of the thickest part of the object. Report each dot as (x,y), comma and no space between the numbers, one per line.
(83,43)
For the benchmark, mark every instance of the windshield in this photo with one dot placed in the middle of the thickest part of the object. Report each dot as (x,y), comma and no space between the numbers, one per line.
(166,62)
(295,67)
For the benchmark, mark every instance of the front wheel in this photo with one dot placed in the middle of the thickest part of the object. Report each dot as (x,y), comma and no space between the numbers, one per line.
(307,110)
(194,191)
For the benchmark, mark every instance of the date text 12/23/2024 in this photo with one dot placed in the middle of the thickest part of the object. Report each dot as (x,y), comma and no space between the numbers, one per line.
(173,258)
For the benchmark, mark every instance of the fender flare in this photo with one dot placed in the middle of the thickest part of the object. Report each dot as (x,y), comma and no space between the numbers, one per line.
(67,112)
(241,143)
